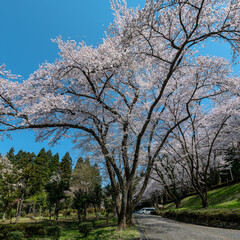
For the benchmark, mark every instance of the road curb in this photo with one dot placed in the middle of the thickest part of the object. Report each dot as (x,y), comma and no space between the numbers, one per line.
(143,237)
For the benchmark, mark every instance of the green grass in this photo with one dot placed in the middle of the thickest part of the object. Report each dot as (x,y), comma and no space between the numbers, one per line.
(223,198)
(101,230)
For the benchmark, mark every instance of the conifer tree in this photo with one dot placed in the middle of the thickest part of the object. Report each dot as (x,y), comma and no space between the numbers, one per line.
(54,164)
(11,155)
(66,167)
(40,171)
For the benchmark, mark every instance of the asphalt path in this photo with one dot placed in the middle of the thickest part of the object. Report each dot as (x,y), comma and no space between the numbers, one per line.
(158,228)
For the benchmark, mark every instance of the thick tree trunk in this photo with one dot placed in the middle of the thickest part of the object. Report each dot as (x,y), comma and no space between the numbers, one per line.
(122,218)
(130,208)
(122,222)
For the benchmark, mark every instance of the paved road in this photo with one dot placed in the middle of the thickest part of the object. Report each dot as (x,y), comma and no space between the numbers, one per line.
(158,228)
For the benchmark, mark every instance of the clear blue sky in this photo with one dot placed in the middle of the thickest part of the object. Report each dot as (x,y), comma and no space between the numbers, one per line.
(27,27)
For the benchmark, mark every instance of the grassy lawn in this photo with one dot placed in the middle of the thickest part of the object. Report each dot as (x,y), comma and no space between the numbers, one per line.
(101,230)
(223,198)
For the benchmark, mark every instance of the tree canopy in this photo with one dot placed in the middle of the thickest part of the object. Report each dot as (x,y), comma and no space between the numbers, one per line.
(123,99)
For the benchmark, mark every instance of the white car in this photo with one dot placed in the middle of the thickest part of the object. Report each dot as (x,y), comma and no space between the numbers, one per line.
(146,210)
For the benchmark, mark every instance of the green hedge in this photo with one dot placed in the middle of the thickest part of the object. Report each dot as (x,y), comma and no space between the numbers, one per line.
(214,218)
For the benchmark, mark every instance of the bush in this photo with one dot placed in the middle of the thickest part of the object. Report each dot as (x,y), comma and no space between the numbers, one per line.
(7,228)
(54,232)
(34,229)
(16,235)
(85,228)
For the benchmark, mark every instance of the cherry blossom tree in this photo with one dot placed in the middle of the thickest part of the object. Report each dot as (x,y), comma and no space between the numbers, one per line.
(198,145)
(170,175)
(8,185)
(117,98)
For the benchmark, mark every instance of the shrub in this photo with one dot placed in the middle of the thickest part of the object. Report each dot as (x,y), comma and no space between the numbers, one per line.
(85,228)
(7,228)
(16,235)
(54,232)
(34,229)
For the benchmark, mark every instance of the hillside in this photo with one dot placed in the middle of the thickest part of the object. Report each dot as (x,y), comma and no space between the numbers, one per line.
(226,197)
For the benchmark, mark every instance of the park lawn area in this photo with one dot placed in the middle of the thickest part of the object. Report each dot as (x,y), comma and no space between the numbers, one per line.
(222,198)
(101,230)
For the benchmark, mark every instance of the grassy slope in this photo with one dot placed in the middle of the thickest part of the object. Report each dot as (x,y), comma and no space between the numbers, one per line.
(223,198)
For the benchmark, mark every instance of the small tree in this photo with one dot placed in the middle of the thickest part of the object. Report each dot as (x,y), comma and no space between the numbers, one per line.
(81,201)
(108,205)
(56,194)
(96,198)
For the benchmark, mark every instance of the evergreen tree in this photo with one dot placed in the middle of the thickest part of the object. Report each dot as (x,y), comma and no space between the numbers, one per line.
(10,155)
(19,155)
(54,164)
(40,171)
(66,167)
(25,163)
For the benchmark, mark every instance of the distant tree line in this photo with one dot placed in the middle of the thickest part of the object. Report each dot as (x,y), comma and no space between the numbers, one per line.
(36,185)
